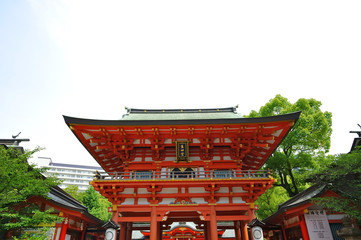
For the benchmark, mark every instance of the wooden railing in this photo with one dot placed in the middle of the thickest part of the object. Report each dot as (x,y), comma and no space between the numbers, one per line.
(157,175)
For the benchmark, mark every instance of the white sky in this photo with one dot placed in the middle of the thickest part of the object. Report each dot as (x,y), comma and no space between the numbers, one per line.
(90,59)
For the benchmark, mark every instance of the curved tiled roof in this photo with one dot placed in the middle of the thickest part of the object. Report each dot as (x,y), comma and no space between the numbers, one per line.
(180,119)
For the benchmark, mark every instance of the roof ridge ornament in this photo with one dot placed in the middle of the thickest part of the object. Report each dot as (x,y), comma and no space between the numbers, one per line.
(358,132)
(181,110)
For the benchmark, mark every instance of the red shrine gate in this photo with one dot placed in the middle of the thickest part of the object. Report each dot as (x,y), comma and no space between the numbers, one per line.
(199,166)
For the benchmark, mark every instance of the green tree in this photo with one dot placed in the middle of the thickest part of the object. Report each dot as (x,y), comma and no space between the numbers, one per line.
(97,204)
(304,147)
(73,191)
(269,201)
(20,181)
(41,234)
(343,176)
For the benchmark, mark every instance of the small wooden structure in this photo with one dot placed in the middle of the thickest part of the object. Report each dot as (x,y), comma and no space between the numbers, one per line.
(75,218)
(300,218)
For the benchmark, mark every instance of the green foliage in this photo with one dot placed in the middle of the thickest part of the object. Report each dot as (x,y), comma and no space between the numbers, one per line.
(97,204)
(91,198)
(102,212)
(20,181)
(269,201)
(304,147)
(73,191)
(39,234)
(343,176)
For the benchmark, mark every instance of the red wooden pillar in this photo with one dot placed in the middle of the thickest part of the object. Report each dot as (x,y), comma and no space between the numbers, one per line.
(160,231)
(244,231)
(115,215)
(122,232)
(55,232)
(208,227)
(304,228)
(205,231)
(237,230)
(283,228)
(153,224)
(64,228)
(83,231)
(214,230)
(83,234)
(129,231)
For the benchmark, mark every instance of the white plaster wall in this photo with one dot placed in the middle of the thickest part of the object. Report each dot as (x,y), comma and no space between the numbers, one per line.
(142,191)
(142,201)
(223,200)
(128,201)
(237,200)
(196,190)
(167,200)
(237,190)
(194,158)
(128,191)
(223,190)
(227,158)
(198,200)
(170,190)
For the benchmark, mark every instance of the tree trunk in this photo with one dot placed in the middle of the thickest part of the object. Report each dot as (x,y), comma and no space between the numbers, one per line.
(293,182)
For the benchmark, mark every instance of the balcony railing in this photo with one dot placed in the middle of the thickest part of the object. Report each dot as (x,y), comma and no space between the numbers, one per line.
(157,175)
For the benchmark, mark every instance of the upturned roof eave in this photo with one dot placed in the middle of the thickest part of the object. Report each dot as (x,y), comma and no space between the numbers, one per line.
(282,208)
(72,203)
(97,122)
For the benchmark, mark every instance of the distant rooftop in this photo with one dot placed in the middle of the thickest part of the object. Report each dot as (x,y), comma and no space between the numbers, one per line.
(13,143)
(49,162)
(75,166)
(180,114)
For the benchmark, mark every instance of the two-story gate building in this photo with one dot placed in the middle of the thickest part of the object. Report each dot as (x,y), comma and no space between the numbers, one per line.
(191,165)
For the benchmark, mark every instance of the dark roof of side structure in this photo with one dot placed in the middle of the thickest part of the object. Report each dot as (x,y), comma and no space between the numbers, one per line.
(59,197)
(356,143)
(299,199)
(13,143)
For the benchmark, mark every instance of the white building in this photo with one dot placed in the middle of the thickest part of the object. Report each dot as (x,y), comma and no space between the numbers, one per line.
(71,174)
